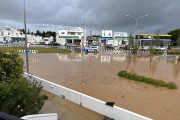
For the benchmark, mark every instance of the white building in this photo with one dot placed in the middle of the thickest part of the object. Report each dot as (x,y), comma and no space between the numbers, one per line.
(120,39)
(107,37)
(47,40)
(74,37)
(34,39)
(12,35)
(107,33)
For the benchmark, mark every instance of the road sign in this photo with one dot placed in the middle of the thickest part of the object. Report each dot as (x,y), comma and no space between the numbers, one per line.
(154,45)
(84,44)
(28,44)
(84,50)
(28,51)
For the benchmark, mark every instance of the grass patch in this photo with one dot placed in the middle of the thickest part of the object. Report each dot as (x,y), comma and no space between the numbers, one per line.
(40,50)
(134,76)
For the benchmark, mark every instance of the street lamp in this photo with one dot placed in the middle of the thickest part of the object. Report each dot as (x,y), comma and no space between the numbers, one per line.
(84,40)
(27,61)
(136,22)
(84,14)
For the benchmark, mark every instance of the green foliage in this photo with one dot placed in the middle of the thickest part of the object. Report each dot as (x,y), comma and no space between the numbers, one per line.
(46,34)
(133,76)
(151,48)
(178,40)
(17,96)
(169,48)
(175,34)
(157,41)
(131,40)
(171,85)
(11,66)
(135,49)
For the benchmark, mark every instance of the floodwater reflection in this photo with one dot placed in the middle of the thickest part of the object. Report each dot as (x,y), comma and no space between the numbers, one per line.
(97,77)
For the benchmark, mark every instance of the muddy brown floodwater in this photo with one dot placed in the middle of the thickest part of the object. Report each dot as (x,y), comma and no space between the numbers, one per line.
(98,78)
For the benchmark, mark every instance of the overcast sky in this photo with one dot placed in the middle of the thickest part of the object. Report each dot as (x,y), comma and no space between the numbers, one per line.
(99,14)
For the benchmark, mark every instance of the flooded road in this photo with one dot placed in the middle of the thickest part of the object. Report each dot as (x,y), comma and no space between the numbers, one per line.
(98,78)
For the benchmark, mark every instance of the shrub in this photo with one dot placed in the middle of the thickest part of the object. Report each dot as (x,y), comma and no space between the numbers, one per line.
(18,97)
(11,66)
(133,76)
(171,85)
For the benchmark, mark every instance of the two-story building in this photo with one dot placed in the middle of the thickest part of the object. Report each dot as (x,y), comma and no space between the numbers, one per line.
(74,37)
(121,39)
(107,37)
(12,35)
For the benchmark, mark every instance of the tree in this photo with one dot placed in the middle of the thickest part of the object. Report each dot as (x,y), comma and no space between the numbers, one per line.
(151,49)
(135,49)
(47,35)
(131,40)
(157,39)
(178,40)
(38,33)
(175,35)
(22,30)
(17,96)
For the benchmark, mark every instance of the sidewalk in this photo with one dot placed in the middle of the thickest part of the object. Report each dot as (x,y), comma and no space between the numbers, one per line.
(67,110)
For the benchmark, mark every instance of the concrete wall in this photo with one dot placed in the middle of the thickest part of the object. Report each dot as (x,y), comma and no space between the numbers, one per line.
(91,103)
(52,116)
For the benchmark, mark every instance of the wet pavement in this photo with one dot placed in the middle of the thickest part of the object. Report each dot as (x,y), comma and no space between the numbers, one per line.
(67,110)
(98,78)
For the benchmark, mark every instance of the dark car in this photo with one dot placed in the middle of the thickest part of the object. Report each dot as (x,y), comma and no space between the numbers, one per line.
(109,47)
(52,43)
(128,47)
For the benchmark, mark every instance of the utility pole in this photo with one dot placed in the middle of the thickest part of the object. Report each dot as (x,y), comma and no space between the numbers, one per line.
(27,60)
(84,31)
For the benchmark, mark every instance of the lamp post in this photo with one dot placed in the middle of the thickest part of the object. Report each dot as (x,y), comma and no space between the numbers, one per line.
(27,61)
(136,23)
(84,32)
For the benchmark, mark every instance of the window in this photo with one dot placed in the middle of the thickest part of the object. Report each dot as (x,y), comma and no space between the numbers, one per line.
(62,33)
(72,33)
(79,33)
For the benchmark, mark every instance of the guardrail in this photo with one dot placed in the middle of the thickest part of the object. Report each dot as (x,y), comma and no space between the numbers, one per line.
(10,45)
(86,101)
(31,51)
(118,51)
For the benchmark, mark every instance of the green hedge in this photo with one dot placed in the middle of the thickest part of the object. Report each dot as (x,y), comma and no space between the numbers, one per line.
(134,76)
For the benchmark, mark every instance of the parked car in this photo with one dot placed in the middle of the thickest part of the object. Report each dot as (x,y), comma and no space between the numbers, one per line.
(52,43)
(160,48)
(128,47)
(69,45)
(93,48)
(109,47)
(35,43)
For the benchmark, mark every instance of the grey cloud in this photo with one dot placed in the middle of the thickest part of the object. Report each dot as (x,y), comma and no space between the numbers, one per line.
(100,14)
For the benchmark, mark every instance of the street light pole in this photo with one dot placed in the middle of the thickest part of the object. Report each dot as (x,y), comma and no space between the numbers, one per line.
(84,40)
(27,61)
(136,23)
